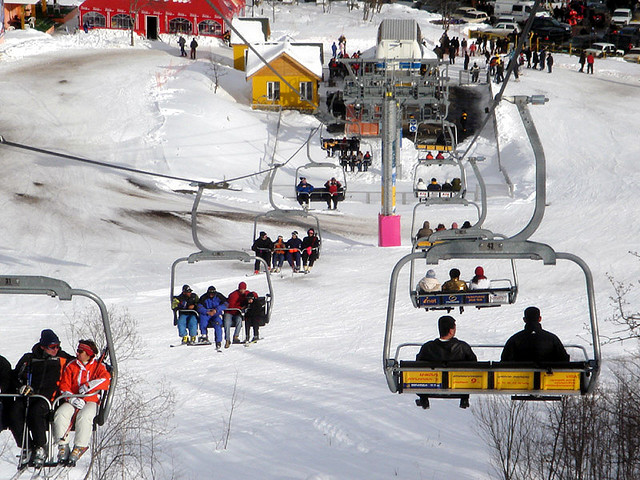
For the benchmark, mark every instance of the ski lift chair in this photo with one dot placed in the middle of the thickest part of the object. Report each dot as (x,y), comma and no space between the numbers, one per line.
(523,381)
(39,285)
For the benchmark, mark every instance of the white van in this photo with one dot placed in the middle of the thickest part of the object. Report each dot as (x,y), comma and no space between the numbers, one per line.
(519,10)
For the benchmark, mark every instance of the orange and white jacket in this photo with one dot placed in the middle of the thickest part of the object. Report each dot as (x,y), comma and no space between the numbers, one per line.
(78,378)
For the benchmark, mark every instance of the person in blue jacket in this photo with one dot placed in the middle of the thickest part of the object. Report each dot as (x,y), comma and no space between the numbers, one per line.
(211,307)
(294,251)
(303,192)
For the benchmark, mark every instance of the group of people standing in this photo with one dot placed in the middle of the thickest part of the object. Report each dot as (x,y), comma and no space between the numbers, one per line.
(293,250)
(220,312)
(47,379)
(193,46)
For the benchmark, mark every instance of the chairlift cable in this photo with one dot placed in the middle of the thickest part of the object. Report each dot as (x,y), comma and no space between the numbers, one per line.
(514,59)
(135,170)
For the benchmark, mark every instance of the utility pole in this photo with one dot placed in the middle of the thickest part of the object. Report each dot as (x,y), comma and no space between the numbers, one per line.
(388,221)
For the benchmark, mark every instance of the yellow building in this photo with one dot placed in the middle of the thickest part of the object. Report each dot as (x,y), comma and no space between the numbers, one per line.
(252,30)
(299,64)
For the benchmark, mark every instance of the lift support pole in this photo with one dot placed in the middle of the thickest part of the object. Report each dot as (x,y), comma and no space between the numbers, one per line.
(388,221)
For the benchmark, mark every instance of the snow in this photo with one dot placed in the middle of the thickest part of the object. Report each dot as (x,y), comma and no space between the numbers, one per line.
(313,401)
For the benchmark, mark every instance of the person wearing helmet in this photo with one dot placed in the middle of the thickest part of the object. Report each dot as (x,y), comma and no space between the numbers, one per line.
(294,247)
(310,250)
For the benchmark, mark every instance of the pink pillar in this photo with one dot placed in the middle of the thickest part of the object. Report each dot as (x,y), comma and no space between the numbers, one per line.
(389,231)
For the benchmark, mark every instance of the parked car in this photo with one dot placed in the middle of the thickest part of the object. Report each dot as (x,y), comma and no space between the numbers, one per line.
(462,11)
(476,17)
(625,38)
(505,19)
(600,50)
(549,28)
(621,16)
(505,28)
(633,55)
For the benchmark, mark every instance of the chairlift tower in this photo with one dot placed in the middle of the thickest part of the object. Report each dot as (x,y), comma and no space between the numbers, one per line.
(382,97)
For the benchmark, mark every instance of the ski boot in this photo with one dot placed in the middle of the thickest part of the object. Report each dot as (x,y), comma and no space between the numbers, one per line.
(39,457)
(204,339)
(63,453)
(227,343)
(255,339)
(236,340)
(76,453)
(185,339)
(218,345)
(194,340)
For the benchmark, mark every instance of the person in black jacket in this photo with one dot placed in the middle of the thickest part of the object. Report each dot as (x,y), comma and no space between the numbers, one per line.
(6,382)
(533,344)
(37,373)
(263,246)
(447,348)
(310,250)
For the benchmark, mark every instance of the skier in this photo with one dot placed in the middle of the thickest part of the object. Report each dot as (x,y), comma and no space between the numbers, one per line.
(303,191)
(425,231)
(446,348)
(254,315)
(479,281)
(294,247)
(211,308)
(236,303)
(310,250)
(38,373)
(533,344)
(83,376)
(454,284)
(333,186)
(6,377)
(263,246)
(475,72)
(185,314)
(429,283)
(279,252)
(182,42)
(434,186)
(420,185)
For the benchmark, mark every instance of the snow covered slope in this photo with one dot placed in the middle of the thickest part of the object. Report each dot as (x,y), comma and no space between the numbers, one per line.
(313,402)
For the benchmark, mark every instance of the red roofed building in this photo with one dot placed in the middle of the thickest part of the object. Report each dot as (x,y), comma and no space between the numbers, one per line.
(153,17)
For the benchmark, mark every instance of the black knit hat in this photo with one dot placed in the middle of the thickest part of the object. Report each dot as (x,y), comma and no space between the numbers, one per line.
(48,337)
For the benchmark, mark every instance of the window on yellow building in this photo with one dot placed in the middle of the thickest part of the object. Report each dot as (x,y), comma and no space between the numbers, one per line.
(306,90)
(273,90)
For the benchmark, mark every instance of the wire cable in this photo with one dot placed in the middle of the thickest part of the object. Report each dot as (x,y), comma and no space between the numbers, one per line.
(4,141)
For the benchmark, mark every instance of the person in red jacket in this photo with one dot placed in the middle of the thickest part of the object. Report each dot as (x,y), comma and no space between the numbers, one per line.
(237,302)
(83,376)
(333,186)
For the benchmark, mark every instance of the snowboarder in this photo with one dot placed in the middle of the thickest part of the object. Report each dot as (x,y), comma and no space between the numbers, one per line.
(210,308)
(87,376)
(38,373)
(193,46)
(294,255)
(185,315)
(182,42)
(310,250)
(263,246)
